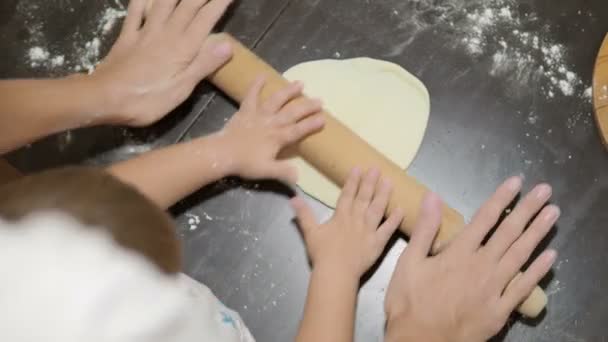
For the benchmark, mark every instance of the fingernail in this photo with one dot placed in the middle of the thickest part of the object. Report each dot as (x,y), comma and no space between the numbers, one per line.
(552,214)
(514,183)
(399,212)
(551,255)
(543,191)
(320,121)
(223,50)
(356,170)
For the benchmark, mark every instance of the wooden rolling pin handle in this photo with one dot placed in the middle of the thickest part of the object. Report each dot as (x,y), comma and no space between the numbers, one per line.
(336,150)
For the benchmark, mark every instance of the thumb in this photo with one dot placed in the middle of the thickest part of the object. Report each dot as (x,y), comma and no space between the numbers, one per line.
(212,55)
(426,228)
(304,214)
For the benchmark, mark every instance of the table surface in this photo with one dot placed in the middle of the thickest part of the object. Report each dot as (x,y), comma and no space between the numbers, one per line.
(509,83)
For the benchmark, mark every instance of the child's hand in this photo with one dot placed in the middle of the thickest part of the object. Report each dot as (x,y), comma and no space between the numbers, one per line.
(152,68)
(461,294)
(353,239)
(254,136)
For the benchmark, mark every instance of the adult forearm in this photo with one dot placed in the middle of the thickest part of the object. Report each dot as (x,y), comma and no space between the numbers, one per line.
(169,174)
(330,307)
(31,109)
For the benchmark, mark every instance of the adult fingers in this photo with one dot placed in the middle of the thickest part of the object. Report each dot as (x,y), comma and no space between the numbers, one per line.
(135,17)
(523,285)
(279,99)
(379,203)
(185,12)
(206,19)
(388,228)
(298,131)
(159,13)
(212,55)
(298,110)
(487,217)
(366,192)
(513,226)
(522,249)
(306,218)
(426,228)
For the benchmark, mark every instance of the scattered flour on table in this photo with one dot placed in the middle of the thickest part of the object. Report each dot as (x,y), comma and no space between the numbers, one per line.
(193,221)
(84,53)
(523,56)
(518,46)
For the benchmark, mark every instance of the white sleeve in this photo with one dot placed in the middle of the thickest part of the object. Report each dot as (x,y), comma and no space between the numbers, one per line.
(210,317)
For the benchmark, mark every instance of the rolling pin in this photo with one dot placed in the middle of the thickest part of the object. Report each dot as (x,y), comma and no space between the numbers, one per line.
(336,149)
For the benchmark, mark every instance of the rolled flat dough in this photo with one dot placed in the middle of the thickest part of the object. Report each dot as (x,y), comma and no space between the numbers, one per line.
(380,101)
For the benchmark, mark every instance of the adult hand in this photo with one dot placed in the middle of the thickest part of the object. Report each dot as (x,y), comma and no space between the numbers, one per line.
(254,136)
(353,239)
(154,65)
(468,291)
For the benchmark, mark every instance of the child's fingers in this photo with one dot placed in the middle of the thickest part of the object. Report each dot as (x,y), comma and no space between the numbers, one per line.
(426,228)
(279,99)
(298,110)
(159,13)
(294,133)
(513,226)
(304,214)
(487,217)
(523,285)
(388,228)
(135,17)
(252,98)
(206,19)
(377,208)
(185,12)
(522,249)
(366,192)
(349,191)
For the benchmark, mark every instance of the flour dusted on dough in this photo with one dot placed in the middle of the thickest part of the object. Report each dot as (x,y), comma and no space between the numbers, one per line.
(380,101)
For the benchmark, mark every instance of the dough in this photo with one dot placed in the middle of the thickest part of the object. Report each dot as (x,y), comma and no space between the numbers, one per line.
(380,101)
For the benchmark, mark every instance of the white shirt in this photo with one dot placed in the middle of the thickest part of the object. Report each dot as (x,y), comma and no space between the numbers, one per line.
(62,282)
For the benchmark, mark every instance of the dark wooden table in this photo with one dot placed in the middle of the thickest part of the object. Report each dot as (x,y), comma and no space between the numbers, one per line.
(495,113)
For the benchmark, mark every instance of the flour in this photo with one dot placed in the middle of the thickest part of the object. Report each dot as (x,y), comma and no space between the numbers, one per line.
(481,20)
(85,52)
(38,55)
(193,221)
(588,94)
(89,56)
(109,18)
(515,45)
(523,57)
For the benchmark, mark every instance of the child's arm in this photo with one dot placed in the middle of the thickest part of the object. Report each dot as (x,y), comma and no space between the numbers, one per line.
(465,292)
(149,71)
(247,147)
(341,250)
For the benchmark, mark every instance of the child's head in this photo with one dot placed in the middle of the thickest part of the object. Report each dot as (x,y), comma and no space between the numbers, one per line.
(99,201)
